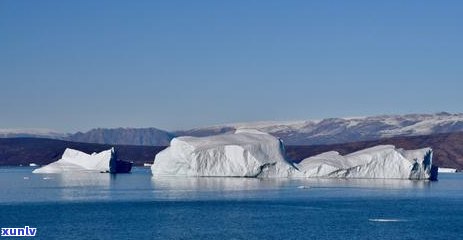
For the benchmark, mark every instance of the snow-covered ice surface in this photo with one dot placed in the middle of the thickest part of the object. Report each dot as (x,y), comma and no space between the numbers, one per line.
(245,153)
(384,161)
(447,170)
(251,153)
(74,160)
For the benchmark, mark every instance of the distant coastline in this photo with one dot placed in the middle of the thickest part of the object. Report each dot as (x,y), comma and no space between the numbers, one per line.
(23,151)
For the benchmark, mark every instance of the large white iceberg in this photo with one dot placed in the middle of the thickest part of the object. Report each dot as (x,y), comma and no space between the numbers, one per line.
(251,153)
(245,153)
(74,160)
(384,161)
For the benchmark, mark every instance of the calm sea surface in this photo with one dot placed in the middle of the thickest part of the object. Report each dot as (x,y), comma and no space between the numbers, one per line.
(137,206)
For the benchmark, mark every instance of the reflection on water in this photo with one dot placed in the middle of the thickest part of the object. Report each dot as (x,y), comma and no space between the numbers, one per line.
(365,183)
(137,205)
(88,179)
(194,188)
(205,188)
(211,183)
(81,185)
(217,183)
(20,185)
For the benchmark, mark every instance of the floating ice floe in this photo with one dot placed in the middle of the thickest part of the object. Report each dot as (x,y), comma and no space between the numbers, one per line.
(386,220)
(447,170)
(74,160)
(251,153)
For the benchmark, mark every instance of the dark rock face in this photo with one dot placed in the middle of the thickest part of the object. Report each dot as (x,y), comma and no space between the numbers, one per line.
(121,167)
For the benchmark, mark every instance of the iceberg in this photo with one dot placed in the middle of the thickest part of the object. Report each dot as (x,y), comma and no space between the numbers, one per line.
(447,170)
(384,161)
(244,153)
(74,160)
(251,153)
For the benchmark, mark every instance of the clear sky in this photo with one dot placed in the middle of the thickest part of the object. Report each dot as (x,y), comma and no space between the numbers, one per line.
(76,65)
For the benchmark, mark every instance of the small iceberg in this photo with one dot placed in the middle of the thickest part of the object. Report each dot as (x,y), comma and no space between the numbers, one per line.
(386,220)
(447,170)
(74,160)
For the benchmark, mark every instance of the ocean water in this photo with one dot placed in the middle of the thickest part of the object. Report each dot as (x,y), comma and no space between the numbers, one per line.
(137,206)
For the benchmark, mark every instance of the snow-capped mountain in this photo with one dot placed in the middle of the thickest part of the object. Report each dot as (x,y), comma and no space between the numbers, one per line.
(118,136)
(310,132)
(340,130)
(31,132)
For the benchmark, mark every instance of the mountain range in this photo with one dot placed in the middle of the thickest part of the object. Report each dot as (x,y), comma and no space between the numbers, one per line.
(22,151)
(310,132)
(441,131)
(342,130)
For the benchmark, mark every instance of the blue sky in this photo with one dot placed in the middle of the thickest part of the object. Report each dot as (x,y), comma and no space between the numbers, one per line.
(76,65)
